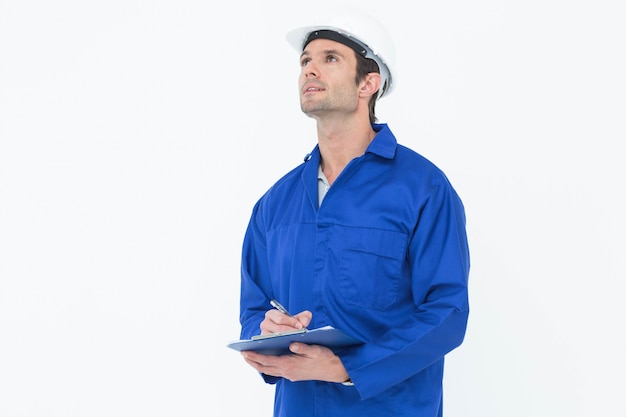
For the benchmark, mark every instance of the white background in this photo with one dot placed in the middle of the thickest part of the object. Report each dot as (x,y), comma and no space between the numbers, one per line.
(136,135)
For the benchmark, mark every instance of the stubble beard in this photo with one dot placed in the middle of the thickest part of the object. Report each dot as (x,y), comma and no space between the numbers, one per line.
(310,107)
(343,100)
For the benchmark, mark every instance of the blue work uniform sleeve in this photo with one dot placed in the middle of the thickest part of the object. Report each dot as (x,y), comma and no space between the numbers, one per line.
(253,299)
(438,260)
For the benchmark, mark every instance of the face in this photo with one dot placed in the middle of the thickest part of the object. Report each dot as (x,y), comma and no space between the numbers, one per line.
(327,78)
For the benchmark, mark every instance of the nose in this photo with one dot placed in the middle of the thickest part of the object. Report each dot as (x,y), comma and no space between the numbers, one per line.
(310,70)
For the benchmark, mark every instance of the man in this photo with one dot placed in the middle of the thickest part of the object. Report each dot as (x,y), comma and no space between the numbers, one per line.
(366,236)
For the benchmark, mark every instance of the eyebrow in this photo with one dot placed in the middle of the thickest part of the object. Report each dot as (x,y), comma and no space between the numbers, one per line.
(324,52)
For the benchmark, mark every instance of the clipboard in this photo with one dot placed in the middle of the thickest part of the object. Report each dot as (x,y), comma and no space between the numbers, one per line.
(278,343)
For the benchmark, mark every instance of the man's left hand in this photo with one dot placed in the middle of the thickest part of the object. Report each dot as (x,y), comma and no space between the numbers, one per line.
(308,362)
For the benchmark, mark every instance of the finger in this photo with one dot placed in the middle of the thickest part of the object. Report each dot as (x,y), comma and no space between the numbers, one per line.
(303,349)
(304,317)
(298,348)
(262,363)
(284,322)
(255,359)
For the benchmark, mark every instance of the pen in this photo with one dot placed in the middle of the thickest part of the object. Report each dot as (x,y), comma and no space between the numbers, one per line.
(279,307)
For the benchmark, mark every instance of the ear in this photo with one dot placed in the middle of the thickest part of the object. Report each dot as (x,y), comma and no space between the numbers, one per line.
(370,85)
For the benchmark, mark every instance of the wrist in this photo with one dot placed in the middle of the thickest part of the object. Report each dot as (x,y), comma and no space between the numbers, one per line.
(348,382)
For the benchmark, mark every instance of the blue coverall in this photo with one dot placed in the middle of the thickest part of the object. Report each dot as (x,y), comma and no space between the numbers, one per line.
(384,258)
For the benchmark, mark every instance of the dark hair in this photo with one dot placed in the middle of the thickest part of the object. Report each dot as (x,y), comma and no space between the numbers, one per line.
(365,66)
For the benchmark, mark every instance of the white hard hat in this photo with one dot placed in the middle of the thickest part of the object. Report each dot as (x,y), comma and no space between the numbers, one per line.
(360,30)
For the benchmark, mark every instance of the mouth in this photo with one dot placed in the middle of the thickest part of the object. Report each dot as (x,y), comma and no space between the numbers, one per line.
(312,89)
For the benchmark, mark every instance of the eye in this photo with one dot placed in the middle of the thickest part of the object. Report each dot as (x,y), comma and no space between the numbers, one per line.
(304,61)
(331,58)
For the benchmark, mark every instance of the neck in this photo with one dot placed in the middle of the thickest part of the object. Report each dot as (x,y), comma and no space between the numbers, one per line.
(340,143)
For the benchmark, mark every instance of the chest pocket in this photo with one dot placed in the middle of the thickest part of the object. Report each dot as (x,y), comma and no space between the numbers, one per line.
(370,266)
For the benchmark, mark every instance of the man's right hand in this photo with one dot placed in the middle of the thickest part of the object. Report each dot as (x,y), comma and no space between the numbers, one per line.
(275,321)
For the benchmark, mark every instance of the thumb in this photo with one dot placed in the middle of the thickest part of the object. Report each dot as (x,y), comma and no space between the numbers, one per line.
(304,317)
